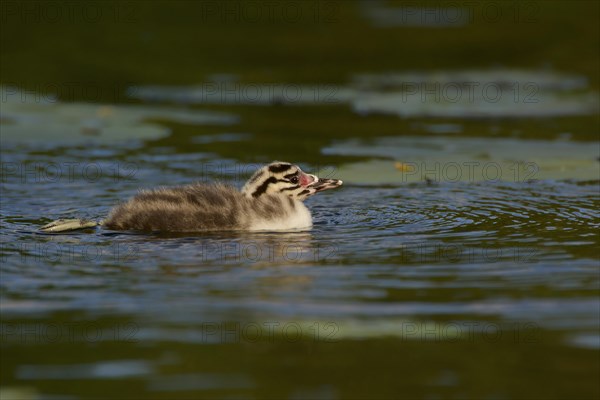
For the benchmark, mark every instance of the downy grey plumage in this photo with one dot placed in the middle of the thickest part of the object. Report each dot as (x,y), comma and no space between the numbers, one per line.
(272,199)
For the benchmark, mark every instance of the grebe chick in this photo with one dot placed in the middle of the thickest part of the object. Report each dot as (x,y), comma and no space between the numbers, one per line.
(272,199)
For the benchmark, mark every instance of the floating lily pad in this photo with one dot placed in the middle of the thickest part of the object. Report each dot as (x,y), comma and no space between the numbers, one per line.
(26,117)
(413,104)
(451,159)
(250,93)
(460,94)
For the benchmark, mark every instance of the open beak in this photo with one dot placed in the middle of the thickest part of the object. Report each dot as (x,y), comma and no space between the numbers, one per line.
(316,184)
(307,179)
(320,184)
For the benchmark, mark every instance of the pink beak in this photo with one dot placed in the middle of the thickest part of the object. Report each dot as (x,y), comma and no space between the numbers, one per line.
(306,179)
(313,181)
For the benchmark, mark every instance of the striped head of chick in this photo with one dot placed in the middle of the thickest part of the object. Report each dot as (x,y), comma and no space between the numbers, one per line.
(283,178)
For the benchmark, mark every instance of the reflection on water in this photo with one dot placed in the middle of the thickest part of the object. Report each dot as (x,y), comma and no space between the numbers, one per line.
(466,243)
(459,259)
(505,237)
(474,264)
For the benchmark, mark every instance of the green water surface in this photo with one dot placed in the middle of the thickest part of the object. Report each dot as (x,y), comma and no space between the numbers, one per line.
(415,282)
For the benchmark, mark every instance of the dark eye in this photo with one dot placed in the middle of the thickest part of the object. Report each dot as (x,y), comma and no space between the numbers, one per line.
(294,180)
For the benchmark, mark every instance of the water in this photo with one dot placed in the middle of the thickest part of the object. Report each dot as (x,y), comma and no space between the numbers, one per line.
(409,277)
(458,260)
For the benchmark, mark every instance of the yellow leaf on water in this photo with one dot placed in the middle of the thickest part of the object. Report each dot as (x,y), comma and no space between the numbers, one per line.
(403,167)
